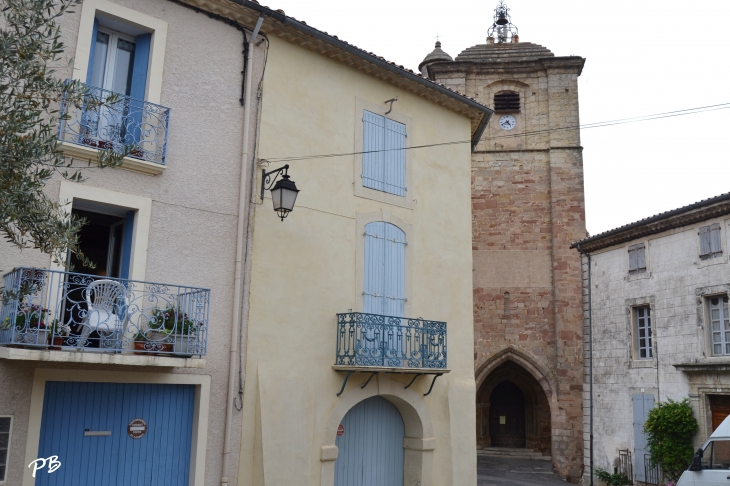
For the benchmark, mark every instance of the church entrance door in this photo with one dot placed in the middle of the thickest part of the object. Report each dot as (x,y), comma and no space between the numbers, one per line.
(507,416)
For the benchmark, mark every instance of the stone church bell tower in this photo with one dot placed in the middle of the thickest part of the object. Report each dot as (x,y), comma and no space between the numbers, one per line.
(527,208)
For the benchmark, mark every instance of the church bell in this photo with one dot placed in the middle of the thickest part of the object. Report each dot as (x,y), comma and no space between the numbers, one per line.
(502,20)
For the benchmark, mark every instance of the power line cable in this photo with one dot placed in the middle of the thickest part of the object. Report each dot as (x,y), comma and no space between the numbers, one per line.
(622,121)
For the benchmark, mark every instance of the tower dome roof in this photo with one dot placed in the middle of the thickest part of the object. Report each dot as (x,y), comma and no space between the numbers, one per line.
(512,52)
(436,55)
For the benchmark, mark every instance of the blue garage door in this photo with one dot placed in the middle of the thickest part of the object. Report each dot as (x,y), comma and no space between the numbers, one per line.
(371,445)
(75,414)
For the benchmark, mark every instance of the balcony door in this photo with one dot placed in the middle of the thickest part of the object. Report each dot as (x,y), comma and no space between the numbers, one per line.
(384,292)
(118,63)
(105,240)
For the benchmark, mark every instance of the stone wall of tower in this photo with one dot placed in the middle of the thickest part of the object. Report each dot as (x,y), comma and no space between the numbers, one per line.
(527,207)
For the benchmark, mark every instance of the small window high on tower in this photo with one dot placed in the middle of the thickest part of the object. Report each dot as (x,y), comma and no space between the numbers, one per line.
(507,101)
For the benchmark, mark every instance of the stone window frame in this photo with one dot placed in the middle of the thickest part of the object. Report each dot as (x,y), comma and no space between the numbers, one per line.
(493,131)
(630,277)
(703,295)
(633,349)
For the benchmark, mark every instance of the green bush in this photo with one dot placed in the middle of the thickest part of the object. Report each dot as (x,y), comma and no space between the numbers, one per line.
(615,479)
(669,430)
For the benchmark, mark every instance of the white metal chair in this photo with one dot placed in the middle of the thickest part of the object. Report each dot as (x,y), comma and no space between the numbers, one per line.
(107,313)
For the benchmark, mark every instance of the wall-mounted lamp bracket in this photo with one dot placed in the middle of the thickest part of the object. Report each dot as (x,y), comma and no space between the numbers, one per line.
(267,182)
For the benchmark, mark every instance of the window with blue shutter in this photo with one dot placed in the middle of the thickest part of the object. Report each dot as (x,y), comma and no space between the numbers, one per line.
(384,155)
(710,242)
(118,63)
(385,257)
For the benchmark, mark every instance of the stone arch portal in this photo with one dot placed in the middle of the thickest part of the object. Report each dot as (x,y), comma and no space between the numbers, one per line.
(513,410)
(419,441)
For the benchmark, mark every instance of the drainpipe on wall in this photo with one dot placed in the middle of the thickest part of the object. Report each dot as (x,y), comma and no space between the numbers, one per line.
(590,356)
(238,275)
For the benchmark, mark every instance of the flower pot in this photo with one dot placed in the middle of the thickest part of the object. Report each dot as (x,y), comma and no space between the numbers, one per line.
(184,345)
(56,343)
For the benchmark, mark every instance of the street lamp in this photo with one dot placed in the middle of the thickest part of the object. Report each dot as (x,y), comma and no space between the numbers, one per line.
(283,193)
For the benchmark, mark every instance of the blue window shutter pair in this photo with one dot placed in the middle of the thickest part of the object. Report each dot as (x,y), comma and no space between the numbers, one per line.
(384,286)
(384,156)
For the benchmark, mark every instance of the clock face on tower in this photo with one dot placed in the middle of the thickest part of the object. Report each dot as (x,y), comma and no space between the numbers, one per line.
(507,122)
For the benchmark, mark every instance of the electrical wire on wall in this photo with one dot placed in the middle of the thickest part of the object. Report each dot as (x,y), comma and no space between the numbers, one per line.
(623,121)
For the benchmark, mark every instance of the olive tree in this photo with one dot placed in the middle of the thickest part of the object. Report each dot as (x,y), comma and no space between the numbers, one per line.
(30,152)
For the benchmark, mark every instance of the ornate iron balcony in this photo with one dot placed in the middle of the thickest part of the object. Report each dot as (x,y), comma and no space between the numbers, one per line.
(116,125)
(371,340)
(48,309)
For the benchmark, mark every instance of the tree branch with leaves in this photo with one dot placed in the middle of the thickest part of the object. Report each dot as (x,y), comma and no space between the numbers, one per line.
(30,151)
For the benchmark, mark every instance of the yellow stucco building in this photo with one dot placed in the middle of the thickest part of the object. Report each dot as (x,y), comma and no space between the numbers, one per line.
(334,391)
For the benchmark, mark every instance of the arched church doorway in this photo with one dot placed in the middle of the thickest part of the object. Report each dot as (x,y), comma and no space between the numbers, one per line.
(370,444)
(507,416)
(513,410)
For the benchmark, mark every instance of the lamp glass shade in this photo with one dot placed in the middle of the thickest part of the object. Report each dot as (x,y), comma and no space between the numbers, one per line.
(284,195)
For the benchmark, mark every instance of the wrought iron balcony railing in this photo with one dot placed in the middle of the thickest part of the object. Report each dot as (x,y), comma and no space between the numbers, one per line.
(48,309)
(116,123)
(371,340)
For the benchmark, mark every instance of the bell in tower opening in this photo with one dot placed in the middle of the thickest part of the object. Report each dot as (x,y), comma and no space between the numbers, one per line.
(502,30)
(527,207)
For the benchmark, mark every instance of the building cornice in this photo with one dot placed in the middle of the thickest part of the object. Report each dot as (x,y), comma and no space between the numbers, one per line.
(568,63)
(684,216)
(703,367)
(247,12)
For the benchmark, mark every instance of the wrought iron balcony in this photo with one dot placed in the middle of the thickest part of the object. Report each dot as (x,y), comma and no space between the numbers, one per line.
(371,340)
(48,309)
(117,123)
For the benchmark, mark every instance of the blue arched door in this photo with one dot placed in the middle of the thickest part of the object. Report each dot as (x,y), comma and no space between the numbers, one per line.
(371,445)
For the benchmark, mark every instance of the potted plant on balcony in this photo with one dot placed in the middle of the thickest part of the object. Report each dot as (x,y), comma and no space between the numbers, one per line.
(182,329)
(59,333)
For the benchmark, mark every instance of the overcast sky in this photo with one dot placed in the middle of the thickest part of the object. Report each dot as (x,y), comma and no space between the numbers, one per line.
(642,57)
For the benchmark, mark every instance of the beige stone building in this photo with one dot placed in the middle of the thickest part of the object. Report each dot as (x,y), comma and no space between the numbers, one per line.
(658,308)
(527,207)
(349,322)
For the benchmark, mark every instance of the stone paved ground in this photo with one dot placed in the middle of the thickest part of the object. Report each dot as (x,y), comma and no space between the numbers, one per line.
(498,471)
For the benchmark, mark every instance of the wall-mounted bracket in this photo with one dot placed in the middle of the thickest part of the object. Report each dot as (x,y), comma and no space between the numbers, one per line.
(347,377)
(371,377)
(434,381)
(411,382)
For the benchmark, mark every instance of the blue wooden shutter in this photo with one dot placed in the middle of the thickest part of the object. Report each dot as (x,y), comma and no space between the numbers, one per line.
(127,244)
(384,286)
(92,52)
(395,158)
(395,263)
(642,404)
(138,87)
(372,146)
(374,285)
(715,241)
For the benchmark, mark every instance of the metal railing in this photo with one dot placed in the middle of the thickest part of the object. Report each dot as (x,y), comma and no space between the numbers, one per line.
(393,342)
(625,464)
(652,475)
(49,309)
(116,123)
